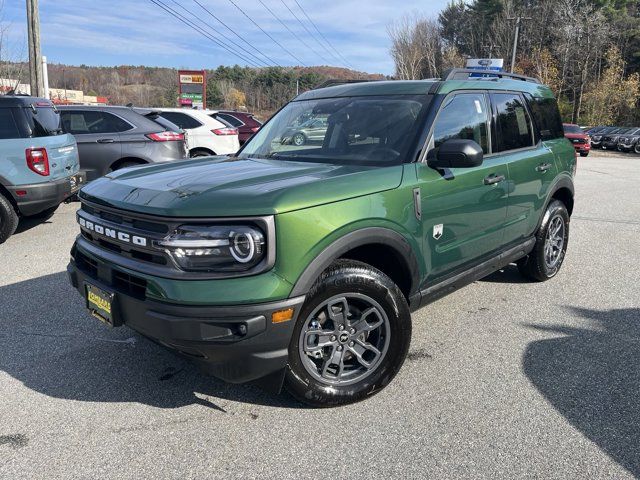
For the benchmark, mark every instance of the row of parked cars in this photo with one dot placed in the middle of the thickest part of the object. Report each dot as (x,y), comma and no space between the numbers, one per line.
(623,139)
(47,153)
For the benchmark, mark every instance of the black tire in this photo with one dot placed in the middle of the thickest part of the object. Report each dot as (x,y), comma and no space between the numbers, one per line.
(584,154)
(637,148)
(298,139)
(360,281)
(536,265)
(200,153)
(8,219)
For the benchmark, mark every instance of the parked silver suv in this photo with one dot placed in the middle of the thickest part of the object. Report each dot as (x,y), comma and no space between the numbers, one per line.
(110,138)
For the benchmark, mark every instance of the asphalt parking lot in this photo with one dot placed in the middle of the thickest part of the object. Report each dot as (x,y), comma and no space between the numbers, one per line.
(505,378)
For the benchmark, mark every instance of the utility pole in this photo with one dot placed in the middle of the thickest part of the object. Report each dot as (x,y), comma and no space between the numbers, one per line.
(35,55)
(518,20)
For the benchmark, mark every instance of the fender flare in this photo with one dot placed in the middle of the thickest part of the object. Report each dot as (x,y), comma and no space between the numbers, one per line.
(563,182)
(358,238)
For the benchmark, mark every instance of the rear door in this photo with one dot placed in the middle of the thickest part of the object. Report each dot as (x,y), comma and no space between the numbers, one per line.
(529,160)
(97,134)
(463,209)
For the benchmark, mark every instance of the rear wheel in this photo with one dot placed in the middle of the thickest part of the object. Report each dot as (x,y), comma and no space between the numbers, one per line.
(8,219)
(126,164)
(200,153)
(552,238)
(351,338)
(637,147)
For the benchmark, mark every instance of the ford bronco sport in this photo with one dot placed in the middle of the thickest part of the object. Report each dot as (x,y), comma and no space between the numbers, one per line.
(39,165)
(301,264)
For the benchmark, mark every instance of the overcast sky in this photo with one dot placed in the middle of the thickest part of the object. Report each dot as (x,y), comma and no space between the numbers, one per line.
(137,32)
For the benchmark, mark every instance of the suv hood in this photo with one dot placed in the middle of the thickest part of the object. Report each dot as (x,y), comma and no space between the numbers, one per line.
(221,187)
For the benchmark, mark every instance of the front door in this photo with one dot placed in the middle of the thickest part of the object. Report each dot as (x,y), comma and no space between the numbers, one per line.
(464,209)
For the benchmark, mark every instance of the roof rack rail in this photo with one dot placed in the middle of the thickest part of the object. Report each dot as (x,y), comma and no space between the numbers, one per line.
(463,74)
(334,82)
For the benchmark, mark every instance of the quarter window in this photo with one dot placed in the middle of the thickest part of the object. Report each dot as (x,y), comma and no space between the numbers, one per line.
(513,124)
(230,119)
(83,122)
(547,116)
(464,116)
(8,127)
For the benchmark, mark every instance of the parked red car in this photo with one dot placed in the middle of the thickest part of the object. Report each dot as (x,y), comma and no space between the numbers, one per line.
(246,123)
(580,140)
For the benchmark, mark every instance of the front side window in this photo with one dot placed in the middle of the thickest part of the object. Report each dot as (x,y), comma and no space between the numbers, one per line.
(373,130)
(83,122)
(513,125)
(8,127)
(463,116)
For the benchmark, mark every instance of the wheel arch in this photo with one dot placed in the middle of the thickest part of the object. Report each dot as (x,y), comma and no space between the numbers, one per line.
(202,149)
(382,248)
(115,165)
(564,191)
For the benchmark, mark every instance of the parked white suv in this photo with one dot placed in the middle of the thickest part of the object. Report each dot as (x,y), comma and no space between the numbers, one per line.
(205,135)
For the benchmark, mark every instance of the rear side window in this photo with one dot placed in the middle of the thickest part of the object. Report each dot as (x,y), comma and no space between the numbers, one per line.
(8,126)
(513,125)
(230,119)
(463,116)
(547,117)
(181,119)
(79,122)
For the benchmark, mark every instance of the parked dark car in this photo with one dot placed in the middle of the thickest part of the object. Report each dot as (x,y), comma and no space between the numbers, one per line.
(580,140)
(110,138)
(610,140)
(246,123)
(312,130)
(596,137)
(630,141)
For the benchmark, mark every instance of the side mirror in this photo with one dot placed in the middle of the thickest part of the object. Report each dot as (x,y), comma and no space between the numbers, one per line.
(457,153)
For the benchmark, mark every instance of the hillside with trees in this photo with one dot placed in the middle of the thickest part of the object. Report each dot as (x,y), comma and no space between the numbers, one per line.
(588,51)
(260,90)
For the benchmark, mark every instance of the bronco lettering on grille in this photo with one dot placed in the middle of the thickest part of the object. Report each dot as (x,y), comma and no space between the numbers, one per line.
(112,233)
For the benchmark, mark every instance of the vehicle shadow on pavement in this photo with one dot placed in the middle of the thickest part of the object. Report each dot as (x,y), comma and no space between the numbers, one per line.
(50,344)
(592,377)
(508,274)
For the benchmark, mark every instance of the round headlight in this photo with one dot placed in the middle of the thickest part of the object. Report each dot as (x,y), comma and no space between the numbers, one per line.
(243,246)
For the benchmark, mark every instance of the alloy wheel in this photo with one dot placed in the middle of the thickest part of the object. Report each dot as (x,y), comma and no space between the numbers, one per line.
(554,243)
(344,339)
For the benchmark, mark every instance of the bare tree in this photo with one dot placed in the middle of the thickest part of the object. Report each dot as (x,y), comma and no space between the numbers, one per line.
(416,47)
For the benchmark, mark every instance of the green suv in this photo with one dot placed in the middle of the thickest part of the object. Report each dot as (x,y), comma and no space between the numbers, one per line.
(300,265)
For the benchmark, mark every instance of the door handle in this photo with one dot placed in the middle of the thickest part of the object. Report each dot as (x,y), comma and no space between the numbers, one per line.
(106,140)
(493,179)
(543,167)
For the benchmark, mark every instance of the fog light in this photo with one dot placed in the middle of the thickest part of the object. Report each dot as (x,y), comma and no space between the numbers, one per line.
(282,316)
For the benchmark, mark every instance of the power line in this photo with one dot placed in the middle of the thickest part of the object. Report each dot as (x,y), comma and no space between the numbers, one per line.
(305,27)
(175,14)
(267,33)
(320,33)
(234,33)
(291,31)
(257,60)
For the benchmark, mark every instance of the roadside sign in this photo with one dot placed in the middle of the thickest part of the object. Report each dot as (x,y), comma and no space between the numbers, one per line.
(192,87)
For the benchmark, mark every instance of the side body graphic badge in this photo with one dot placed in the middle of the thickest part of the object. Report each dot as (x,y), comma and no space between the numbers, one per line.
(437,231)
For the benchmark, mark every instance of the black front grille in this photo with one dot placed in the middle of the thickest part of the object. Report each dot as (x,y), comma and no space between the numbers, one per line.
(130,224)
(120,281)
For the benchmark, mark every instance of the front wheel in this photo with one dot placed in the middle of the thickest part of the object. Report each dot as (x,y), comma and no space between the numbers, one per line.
(351,338)
(637,148)
(548,254)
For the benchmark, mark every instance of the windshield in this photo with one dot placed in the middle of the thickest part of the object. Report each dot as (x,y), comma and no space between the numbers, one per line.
(572,129)
(376,130)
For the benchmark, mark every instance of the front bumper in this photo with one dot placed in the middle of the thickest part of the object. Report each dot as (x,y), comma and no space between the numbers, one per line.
(38,197)
(237,343)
